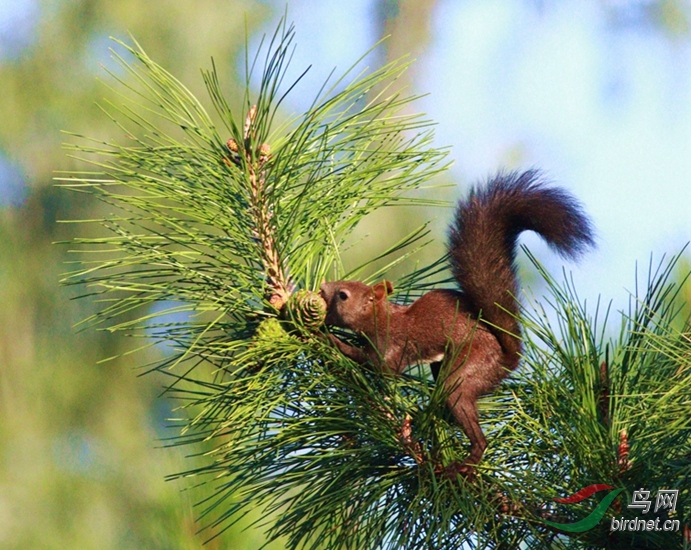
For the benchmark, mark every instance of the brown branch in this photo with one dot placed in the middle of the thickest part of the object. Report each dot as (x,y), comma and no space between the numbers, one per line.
(278,290)
(623,462)
(412,446)
(623,452)
(604,401)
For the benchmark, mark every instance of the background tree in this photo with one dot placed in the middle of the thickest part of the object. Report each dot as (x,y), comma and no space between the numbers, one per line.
(80,465)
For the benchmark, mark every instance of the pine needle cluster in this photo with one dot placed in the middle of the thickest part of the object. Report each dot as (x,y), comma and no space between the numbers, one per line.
(220,220)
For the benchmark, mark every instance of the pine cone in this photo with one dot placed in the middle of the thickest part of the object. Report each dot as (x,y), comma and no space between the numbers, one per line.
(270,330)
(270,334)
(306,308)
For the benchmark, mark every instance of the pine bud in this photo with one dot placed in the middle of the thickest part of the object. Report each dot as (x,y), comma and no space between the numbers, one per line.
(232,145)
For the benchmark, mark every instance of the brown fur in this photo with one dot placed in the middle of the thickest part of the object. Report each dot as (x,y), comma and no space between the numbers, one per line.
(476,330)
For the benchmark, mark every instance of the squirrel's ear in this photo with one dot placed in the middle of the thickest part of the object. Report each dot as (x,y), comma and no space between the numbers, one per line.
(382,290)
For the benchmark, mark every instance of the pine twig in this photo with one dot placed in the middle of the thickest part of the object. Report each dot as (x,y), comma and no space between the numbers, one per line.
(260,209)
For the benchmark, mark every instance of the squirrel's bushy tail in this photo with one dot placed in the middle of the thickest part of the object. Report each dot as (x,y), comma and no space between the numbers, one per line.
(482,244)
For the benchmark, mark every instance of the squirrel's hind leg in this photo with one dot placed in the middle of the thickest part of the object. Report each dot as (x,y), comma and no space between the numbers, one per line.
(473,376)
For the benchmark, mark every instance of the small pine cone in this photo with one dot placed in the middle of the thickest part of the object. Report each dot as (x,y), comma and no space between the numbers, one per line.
(306,308)
(264,151)
(270,329)
(234,155)
(232,145)
(269,334)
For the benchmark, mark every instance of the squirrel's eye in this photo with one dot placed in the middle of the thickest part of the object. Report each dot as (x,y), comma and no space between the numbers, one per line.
(342,295)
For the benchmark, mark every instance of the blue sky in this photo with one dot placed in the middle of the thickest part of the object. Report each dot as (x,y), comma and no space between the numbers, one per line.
(17,21)
(605,112)
(603,108)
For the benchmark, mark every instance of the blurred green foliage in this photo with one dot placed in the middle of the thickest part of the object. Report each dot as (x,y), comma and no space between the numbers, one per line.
(79,467)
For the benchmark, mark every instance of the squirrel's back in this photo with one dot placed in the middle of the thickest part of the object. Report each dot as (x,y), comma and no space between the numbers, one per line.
(483,237)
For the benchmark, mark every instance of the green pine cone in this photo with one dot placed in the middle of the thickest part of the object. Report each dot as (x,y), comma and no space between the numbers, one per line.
(306,308)
(270,330)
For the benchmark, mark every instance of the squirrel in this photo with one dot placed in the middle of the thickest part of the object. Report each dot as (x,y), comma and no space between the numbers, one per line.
(476,330)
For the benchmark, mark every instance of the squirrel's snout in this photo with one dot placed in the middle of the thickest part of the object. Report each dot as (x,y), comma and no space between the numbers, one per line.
(324,292)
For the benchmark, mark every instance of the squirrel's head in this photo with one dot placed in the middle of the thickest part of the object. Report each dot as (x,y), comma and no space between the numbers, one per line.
(352,304)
